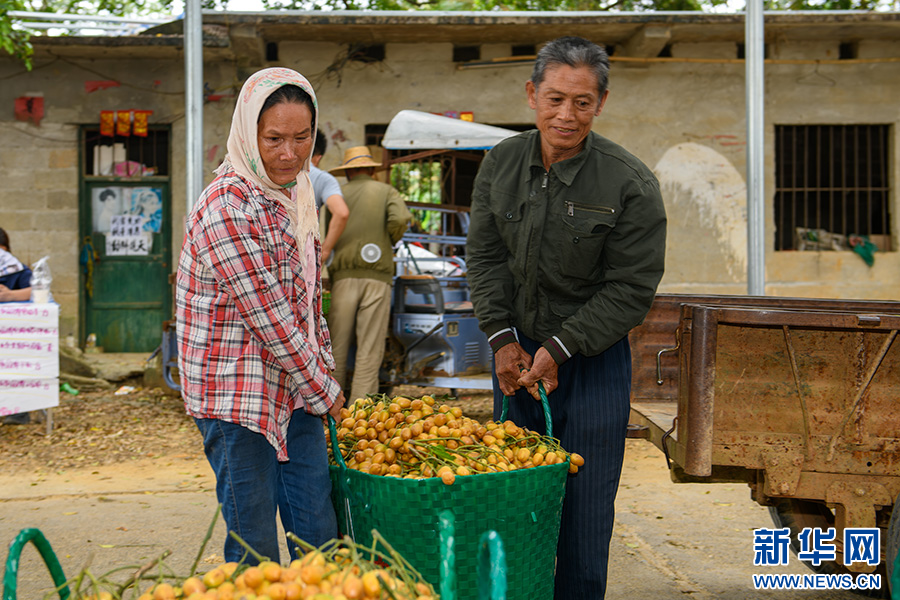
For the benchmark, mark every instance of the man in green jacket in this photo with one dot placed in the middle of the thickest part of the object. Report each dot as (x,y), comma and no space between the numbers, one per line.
(565,250)
(362,270)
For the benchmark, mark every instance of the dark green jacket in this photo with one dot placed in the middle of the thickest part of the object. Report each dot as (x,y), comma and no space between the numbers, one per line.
(378,215)
(571,257)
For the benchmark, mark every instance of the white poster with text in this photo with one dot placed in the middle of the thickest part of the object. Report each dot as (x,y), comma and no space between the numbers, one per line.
(29,357)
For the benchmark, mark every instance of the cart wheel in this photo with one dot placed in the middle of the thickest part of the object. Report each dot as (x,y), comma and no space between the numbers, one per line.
(796,515)
(893,550)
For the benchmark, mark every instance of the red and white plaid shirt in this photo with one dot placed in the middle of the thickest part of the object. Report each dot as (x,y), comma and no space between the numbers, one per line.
(241,306)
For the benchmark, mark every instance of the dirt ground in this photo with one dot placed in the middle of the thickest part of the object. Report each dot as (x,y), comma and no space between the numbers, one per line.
(123,479)
(120,480)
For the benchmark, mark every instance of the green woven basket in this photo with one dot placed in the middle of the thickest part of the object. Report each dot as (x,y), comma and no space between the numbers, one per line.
(523,506)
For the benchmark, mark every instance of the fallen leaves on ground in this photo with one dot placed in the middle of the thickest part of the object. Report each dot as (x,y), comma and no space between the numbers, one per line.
(100,428)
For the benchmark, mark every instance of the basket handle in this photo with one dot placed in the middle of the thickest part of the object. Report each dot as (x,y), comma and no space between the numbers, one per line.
(338,457)
(10,583)
(548,420)
(344,479)
(492,584)
(447,540)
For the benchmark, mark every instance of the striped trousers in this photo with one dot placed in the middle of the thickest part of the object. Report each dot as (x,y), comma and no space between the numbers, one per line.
(590,410)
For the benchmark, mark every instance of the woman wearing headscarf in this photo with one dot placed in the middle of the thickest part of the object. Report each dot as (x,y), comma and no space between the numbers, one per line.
(254,351)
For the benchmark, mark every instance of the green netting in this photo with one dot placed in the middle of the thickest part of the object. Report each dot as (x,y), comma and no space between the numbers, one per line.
(523,506)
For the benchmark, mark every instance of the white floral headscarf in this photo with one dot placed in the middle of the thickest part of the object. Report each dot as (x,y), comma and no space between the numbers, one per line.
(9,263)
(243,148)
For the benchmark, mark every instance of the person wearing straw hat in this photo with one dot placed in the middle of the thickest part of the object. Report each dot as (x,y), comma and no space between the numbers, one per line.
(362,270)
(253,349)
(566,247)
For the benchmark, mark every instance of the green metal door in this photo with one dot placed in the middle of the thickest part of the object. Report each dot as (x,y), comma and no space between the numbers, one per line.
(126,233)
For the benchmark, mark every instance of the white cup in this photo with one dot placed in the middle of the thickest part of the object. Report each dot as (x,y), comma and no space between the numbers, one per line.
(40,296)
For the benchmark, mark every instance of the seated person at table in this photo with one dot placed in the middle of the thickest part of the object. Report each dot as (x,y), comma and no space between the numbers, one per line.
(15,278)
(15,286)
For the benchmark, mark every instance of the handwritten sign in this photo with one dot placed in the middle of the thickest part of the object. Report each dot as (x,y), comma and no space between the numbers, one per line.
(127,245)
(29,357)
(126,225)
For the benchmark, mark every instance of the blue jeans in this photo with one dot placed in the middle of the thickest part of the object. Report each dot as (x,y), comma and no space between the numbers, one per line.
(251,484)
(590,411)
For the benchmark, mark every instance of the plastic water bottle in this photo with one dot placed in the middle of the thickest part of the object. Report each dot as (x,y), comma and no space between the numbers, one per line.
(40,281)
(40,293)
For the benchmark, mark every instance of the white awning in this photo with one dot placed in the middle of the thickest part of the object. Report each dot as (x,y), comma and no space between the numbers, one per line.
(416,130)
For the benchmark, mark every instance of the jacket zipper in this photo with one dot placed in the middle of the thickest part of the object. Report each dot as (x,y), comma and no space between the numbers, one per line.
(605,210)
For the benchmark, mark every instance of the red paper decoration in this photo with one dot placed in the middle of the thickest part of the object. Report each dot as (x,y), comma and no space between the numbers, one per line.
(119,122)
(93,86)
(30,108)
(141,118)
(123,122)
(107,123)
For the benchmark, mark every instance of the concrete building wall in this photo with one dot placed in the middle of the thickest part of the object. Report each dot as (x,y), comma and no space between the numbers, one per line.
(683,119)
(39,199)
(39,204)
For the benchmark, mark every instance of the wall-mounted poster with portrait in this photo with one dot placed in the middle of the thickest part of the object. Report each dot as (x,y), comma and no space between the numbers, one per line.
(147,203)
(106,202)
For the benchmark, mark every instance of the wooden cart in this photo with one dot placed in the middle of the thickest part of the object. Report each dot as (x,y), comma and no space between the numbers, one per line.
(798,398)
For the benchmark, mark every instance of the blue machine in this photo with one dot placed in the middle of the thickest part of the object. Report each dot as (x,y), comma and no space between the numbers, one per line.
(434,323)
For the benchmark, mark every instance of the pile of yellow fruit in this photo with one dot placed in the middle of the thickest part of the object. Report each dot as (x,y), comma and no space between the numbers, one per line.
(313,577)
(411,438)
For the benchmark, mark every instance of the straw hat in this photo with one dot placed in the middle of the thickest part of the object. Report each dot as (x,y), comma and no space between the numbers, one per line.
(356,158)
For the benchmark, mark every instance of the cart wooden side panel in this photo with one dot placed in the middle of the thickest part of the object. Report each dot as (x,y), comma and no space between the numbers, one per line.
(798,398)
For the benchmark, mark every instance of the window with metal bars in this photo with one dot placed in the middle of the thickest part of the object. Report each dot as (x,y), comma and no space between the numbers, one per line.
(831,186)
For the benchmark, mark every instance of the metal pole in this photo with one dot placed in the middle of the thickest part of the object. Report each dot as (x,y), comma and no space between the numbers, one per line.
(193,99)
(754,51)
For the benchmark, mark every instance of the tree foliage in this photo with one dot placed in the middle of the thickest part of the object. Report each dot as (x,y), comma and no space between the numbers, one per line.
(14,41)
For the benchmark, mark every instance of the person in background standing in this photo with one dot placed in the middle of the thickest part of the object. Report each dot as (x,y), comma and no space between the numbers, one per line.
(328,193)
(254,352)
(362,270)
(566,247)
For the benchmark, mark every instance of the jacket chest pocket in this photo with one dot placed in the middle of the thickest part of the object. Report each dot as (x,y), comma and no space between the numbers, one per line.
(582,238)
(508,214)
